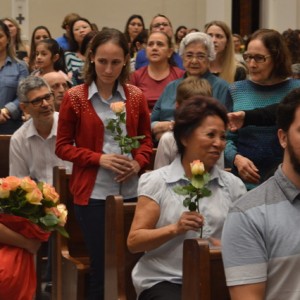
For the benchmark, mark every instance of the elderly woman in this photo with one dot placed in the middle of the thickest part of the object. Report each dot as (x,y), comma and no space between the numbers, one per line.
(12,71)
(197,50)
(254,152)
(161,222)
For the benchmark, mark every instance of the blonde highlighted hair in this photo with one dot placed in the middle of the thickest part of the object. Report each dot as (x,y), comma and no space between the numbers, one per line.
(192,86)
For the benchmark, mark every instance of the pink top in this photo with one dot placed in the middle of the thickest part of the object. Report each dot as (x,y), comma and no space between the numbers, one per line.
(152,88)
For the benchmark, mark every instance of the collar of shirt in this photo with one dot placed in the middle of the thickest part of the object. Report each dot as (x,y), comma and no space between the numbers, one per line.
(8,61)
(290,191)
(176,173)
(31,130)
(93,91)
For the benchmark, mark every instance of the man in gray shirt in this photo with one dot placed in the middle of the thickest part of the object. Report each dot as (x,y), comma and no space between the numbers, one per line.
(261,236)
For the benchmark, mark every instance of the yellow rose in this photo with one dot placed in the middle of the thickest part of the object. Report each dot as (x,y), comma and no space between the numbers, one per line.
(63,213)
(34,197)
(13,182)
(197,167)
(117,107)
(4,190)
(28,184)
(50,193)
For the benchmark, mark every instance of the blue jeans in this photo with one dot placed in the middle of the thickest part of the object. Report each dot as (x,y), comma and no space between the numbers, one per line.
(91,219)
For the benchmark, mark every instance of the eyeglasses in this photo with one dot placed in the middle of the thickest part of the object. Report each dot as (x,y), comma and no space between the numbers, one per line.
(39,100)
(199,57)
(157,25)
(258,58)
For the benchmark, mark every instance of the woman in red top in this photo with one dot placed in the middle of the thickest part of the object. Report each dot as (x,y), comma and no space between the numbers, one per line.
(161,70)
(82,138)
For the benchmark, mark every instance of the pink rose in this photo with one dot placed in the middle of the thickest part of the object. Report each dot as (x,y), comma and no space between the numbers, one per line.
(28,184)
(34,197)
(13,182)
(117,107)
(197,167)
(4,189)
(60,211)
(50,193)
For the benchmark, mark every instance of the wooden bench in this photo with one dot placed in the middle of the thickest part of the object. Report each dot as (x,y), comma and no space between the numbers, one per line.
(203,272)
(70,261)
(4,155)
(119,262)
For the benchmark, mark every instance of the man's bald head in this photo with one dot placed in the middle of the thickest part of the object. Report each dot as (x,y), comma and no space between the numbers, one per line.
(58,84)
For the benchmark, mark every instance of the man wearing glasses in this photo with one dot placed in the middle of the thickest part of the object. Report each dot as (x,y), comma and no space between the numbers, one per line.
(159,23)
(32,146)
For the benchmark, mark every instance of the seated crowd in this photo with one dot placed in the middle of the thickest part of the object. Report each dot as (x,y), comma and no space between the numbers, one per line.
(98,102)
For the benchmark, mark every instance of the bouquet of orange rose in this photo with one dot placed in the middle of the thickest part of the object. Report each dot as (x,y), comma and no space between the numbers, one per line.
(37,202)
(32,210)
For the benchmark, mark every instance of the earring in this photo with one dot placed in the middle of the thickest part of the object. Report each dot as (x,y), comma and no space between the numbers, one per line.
(92,61)
(124,65)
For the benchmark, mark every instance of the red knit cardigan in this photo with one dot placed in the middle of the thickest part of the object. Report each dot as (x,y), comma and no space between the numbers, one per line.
(80,136)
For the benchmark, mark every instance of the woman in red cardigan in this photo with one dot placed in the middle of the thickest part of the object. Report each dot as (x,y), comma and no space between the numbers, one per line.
(82,138)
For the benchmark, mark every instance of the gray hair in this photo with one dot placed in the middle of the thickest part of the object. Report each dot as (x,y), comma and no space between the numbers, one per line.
(30,83)
(199,37)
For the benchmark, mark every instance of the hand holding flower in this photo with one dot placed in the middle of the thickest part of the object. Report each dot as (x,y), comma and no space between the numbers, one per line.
(196,189)
(189,220)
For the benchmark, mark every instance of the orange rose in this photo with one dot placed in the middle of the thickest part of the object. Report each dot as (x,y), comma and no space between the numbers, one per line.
(197,167)
(117,107)
(4,189)
(50,193)
(34,197)
(28,184)
(13,182)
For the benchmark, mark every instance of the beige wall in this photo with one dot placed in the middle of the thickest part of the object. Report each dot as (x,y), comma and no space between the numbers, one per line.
(114,13)
(277,14)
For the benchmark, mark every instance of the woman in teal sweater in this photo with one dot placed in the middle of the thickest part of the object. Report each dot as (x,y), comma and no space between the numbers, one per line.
(253,152)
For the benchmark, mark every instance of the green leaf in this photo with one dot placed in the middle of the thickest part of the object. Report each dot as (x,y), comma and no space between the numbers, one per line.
(49,220)
(62,231)
(192,206)
(180,190)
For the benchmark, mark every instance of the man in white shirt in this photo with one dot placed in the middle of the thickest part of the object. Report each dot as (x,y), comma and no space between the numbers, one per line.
(32,146)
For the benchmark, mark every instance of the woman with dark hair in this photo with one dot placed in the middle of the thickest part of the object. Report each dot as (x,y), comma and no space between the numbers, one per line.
(162,222)
(161,70)
(180,33)
(253,152)
(38,34)
(134,25)
(79,28)
(12,71)
(84,139)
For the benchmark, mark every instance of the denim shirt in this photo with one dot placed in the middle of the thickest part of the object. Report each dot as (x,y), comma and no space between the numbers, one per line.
(10,75)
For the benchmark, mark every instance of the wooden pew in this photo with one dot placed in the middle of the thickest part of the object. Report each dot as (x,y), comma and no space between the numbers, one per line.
(4,155)
(119,262)
(203,272)
(70,261)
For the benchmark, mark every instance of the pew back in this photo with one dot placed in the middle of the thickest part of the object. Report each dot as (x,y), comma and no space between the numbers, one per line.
(119,262)
(70,263)
(203,272)
(4,155)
